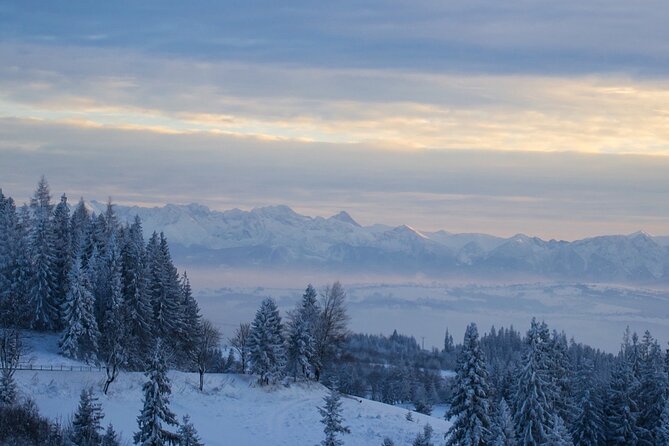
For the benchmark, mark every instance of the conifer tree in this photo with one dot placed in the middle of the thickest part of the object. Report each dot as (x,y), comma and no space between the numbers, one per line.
(62,246)
(80,338)
(14,266)
(662,432)
(652,390)
(588,425)
(300,347)
(505,434)
(448,342)
(332,418)
(112,352)
(192,329)
(532,404)
(137,310)
(42,259)
(470,404)
(266,344)
(187,434)
(110,438)
(86,423)
(425,438)
(559,435)
(623,410)
(155,413)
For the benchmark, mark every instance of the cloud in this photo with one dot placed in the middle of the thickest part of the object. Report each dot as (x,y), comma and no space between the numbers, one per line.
(399,109)
(517,36)
(561,195)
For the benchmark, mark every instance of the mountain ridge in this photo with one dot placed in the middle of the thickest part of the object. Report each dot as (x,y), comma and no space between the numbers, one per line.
(277,236)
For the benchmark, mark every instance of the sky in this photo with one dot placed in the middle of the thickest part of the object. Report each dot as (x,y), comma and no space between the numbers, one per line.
(546,118)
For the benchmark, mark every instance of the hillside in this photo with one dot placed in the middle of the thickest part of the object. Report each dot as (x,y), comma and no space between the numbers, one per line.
(278,237)
(231,410)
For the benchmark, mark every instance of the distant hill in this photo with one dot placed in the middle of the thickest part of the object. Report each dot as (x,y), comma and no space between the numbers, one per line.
(277,236)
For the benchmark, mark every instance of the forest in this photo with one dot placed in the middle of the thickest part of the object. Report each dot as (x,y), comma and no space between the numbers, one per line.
(117,301)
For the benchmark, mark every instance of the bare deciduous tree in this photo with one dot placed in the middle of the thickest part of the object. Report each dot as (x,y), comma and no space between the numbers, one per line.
(240,342)
(331,331)
(209,339)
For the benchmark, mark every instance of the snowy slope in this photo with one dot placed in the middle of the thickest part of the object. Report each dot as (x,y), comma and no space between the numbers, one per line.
(232,409)
(276,236)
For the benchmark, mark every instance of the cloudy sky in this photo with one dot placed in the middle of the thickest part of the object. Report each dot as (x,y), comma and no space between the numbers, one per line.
(548,118)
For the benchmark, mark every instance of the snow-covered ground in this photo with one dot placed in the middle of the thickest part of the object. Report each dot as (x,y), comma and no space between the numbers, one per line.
(231,410)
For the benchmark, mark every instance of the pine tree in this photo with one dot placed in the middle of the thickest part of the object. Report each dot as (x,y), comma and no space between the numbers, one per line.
(470,404)
(332,418)
(110,437)
(532,404)
(80,338)
(266,344)
(387,442)
(86,423)
(187,434)
(156,412)
(420,401)
(504,434)
(42,258)
(425,438)
(588,424)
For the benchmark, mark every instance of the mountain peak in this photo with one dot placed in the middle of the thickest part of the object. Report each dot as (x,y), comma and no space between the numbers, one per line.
(279,210)
(345,217)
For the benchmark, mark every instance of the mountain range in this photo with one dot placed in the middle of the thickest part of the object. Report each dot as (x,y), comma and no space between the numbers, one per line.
(278,237)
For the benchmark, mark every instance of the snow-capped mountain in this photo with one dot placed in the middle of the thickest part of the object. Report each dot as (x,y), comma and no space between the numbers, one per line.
(277,236)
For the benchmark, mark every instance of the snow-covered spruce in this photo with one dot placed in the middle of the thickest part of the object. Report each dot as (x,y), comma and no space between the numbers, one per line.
(470,405)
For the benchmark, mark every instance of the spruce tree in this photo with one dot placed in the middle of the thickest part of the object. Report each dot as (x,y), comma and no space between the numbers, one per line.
(300,349)
(425,438)
(588,425)
(137,310)
(470,404)
(332,418)
(652,390)
(155,413)
(86,423)
(504,433)
(187,434)
(532,404)
(110,438)
(266,344)
(623,411)
(559,435)
(112,344)
(42,260)
(80,338)
(63,256)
